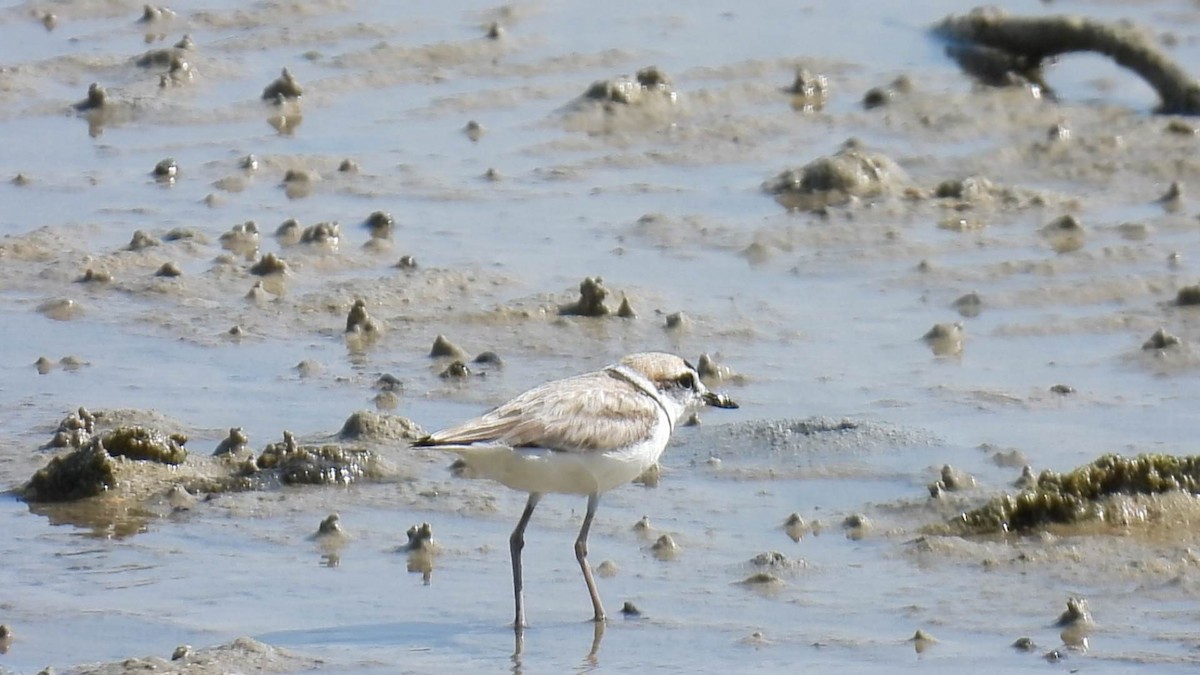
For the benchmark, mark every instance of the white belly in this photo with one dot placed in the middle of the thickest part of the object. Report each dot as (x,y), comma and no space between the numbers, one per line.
(566,472)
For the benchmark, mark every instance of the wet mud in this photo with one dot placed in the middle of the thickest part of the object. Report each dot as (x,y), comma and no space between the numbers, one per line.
(944,264)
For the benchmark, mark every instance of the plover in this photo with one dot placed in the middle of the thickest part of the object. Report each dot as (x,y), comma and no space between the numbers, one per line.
(582,435)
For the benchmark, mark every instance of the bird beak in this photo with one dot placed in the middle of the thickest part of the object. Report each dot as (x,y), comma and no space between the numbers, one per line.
(718,400)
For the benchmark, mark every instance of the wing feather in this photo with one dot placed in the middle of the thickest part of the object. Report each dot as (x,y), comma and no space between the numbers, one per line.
(586,413)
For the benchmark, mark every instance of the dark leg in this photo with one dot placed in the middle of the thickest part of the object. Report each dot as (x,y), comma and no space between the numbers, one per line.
(581,552)
(516,542)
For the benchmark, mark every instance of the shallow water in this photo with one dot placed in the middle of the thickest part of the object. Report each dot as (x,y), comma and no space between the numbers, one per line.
(820,315)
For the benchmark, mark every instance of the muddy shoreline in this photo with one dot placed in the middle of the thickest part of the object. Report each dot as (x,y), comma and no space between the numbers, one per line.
(917,280)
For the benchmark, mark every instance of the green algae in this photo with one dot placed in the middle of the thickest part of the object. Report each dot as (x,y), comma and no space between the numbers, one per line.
(89,470)
(137,442)
(1074,496)
(317,464)
(85,472)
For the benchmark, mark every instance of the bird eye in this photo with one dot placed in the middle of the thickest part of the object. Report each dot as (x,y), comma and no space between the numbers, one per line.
(687,381)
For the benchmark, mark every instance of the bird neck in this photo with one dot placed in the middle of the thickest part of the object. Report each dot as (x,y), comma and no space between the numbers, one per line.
(643,384)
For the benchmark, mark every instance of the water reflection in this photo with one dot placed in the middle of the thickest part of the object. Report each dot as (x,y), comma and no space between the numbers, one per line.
(102,517)
(421,550)
(590,662)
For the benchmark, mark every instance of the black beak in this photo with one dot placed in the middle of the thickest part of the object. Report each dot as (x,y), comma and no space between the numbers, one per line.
(718,400)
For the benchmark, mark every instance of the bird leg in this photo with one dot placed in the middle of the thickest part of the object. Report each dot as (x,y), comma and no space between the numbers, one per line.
(581,552)
(516,542)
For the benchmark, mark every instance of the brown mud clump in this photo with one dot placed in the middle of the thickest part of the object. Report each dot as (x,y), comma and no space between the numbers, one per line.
(650,84)
(288,233)
(93,276)
(240,655)
(89,470)
(299,183)
(1161,339)
(137,442)
(946,339)
(1076,614)
(162,58)
(318,464)
(922,641)
(665,548)
(1078,495)
(877,97)
(268,265)
(474,131)
(969,305)
(1065,234)
(323,234)
(140,241)
(421,549)
(591,300)
(235,443)
(85,472)
(74,430)
(444,348)
(420,538)
(761,579)
(856,526)
(155,13)
(796,527)
(625,310)
(809,90)
(488,358)
(836,180)
(1024,644)
(952,480)
(380,224)
(358,321)
(166,170)
(1172,199)
(366,425)
(677,321)
(457,370)
(331,526)
(285,87)
(650,477)
(96,99)
(386,382)
(1134,231)
(712,372)
(998,48)
(241,239)
(1188,296)
(774,560)
(169,270)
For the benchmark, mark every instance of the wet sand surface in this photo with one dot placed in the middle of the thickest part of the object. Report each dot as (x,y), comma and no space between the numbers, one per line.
(507,189)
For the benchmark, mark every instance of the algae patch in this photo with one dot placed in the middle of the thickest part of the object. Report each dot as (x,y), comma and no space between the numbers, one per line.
(86,472)
(1076,496)
(318,464)
(143,443)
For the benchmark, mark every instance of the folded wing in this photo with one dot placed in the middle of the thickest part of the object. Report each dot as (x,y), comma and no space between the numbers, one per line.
(593,412)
